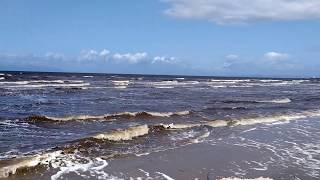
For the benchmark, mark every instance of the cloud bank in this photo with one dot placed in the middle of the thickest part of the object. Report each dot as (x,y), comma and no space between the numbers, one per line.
(93,61)
(244,11)
(271,63)
(276,56)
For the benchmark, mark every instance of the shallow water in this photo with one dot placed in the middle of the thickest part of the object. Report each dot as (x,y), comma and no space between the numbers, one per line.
(76,123)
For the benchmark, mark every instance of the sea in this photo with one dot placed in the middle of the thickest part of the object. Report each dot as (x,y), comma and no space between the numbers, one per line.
(54,125)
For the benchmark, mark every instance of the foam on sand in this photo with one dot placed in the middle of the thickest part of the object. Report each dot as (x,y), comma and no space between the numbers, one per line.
(93,166)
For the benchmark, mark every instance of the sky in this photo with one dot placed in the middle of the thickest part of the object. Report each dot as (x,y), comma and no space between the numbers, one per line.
(277,38)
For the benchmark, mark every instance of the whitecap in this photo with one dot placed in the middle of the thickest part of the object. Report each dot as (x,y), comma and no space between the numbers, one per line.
(121,114)
(278,101)
(124,134)
(235,178)
(165,176)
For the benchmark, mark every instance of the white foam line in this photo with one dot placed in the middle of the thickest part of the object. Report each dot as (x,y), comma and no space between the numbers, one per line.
(278,101)
(234,178)
(145,172)
(165,176)
(85,117)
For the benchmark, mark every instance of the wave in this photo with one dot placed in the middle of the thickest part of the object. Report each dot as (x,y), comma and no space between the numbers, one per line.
(270,80)
(234,178)
(140,130)
(18,165)
(123,115)
(16,82)
(43,81)
(65,163)
(21,85)
(121,83)
(124,134)
(279,101)
(2,78)
(57,158)
(171,83)
(229,81)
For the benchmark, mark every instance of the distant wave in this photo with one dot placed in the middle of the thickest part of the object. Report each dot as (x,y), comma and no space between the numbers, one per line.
(229,81)
(121,83)
(234,178)
(269,80)
(44,83)
(51,85)
(279,101)
(143,114)
(172,83)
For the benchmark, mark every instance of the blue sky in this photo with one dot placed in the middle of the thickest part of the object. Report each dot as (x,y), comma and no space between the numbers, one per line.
(193,37)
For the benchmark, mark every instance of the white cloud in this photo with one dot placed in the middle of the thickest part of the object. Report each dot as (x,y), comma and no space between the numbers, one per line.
(164,59)
(131,58)
(91,55)
(104,53)
(88,55)
(276,56)
(244,11)
(232,57)
(57,56)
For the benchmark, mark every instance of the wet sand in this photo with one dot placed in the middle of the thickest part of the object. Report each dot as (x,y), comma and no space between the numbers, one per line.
(197,161)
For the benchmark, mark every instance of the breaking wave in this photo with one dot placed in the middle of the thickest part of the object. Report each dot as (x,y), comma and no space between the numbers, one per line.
(45,83)
(15,166)
(125,134)
(65,160)
(123,115)
(136,131)
(64,163)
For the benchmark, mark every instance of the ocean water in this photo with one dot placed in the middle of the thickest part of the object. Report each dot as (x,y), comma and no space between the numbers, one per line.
(66,123)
